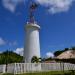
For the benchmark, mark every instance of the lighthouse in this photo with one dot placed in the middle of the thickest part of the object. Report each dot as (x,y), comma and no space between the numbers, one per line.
(32,42)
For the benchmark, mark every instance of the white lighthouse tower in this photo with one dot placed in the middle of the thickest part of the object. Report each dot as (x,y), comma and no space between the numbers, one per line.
(32,42)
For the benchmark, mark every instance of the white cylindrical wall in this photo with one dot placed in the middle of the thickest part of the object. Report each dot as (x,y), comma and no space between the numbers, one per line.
(32,44)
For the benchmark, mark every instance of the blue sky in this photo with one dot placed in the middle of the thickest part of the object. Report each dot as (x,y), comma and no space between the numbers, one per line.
(56,18)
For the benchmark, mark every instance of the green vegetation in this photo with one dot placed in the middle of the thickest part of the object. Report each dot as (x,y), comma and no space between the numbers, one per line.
(73,48)
(58,52)
(35,59)
(10,57)
(7,74)
(48,73)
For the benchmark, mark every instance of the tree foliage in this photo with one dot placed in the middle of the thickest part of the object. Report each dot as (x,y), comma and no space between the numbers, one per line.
(35,59)
(10,57)
(73,48)
(58,52)
(66,49)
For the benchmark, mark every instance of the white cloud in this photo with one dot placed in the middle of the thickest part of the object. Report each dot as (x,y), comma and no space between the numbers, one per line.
(49,54)
(53,6)
(11,4)
(14,43)
(56,6)
(2,41)
(19,51)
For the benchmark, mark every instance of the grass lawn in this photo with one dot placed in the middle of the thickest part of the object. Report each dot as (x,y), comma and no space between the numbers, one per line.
(48,73)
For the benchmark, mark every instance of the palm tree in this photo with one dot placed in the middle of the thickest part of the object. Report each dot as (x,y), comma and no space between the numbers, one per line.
(34,59)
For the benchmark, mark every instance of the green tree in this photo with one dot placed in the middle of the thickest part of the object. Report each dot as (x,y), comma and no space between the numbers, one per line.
(10,57)
(73,48)
(56,53)
(66,49)
(34,59)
